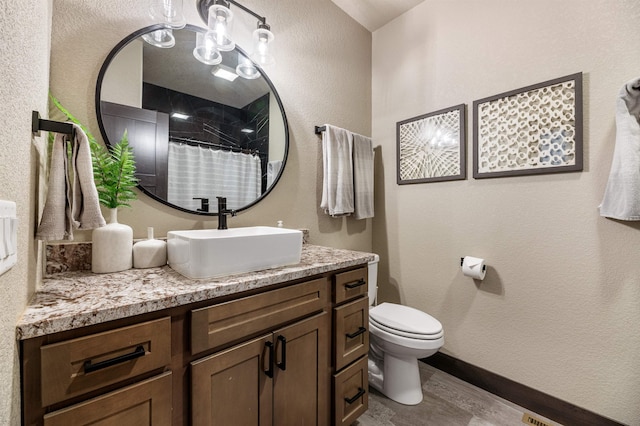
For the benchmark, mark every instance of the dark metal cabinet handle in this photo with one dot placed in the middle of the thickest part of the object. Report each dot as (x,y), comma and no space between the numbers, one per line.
(355,284)
(283,348)
(357,396)
(269,347)
(356,333)
(137,353)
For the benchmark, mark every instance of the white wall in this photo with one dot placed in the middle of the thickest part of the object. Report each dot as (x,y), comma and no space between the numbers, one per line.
(24,53)
(321,76)
(560,306)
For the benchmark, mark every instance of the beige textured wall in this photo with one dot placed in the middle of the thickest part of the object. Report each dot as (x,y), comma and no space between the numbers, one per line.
(322,76)
(24,53)
(560,306)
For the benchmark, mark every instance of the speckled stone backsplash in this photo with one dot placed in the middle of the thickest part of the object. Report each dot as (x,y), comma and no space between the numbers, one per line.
(70,257)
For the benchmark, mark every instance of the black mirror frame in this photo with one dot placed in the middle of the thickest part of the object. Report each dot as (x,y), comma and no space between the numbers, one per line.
(101,74)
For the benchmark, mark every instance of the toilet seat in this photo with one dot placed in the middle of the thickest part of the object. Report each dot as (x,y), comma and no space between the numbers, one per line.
(405,321)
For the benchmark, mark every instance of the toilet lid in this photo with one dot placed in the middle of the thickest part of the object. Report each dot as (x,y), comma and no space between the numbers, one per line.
(405,321)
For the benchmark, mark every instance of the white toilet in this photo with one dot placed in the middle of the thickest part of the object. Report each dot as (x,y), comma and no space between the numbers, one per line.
(399,336)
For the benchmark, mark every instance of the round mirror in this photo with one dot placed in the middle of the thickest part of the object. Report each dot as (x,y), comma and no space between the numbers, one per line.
(198,130)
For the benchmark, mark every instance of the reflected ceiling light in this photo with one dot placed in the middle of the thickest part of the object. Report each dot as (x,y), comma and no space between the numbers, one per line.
(168,13)
(218,16)
(206,50)
(160,38)
(180,115)
(223,72)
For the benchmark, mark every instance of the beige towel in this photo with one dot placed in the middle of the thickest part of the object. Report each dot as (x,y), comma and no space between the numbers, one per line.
(337,167)
(72,198)
(55,223)
(363,176)
(85,204)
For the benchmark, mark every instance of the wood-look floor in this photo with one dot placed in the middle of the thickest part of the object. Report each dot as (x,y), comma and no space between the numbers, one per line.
(448,401)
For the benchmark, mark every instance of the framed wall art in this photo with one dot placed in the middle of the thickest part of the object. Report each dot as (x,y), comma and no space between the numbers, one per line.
(532,130)
(432,147)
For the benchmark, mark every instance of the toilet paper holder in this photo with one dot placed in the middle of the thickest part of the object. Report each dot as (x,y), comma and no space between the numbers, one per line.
(484,267)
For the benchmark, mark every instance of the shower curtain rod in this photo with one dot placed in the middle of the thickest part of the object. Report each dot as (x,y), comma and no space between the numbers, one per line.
(215,145)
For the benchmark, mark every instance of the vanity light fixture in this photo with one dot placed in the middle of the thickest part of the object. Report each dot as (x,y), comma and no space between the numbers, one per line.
(218,15)
(168,13)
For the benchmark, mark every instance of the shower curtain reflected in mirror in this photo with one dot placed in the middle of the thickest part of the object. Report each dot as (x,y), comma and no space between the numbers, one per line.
(200,172)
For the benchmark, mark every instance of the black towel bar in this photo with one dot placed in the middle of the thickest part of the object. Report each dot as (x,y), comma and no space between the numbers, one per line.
(38,124)
(320,129)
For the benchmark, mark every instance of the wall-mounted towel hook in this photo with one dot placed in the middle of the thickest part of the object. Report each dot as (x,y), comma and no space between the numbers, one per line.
(38,124)
(320,129)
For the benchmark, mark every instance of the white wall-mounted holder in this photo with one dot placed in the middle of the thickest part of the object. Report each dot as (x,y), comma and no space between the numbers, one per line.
(8,236)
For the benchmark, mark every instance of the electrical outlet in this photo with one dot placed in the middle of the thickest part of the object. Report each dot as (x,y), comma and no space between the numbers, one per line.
(8,236)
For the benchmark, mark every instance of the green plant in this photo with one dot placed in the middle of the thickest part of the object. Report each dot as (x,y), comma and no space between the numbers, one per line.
(113,170)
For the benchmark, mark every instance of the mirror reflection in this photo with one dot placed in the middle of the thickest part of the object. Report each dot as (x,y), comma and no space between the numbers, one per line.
(197,131)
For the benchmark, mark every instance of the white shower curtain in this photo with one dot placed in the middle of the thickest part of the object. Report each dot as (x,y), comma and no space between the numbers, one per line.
(196,171)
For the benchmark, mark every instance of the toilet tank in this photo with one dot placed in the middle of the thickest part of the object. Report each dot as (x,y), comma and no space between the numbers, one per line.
(373,279)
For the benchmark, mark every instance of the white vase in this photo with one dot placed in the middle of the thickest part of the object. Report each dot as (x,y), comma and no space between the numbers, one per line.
(111,246)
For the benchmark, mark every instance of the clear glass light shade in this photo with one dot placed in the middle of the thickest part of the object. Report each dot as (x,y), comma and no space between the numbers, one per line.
(206,50)
(160,38)
(168,13)
(246,68)
(220,20)
(263,47)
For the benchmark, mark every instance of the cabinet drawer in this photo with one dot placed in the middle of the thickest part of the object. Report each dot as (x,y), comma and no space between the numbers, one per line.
(349,285)
(351,392)
(144,403)
(73,367)
(351,332)
(216,325)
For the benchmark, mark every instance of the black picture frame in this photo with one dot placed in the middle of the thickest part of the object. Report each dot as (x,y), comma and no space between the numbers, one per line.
(432,147)
(536,129)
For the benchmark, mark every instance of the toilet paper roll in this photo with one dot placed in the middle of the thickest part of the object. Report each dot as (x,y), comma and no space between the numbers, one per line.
(474,267)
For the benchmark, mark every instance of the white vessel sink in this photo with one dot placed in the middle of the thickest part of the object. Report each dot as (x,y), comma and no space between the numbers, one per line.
(209,253)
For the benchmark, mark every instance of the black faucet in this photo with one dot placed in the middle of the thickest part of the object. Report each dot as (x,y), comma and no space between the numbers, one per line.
(204,204)
(223,212)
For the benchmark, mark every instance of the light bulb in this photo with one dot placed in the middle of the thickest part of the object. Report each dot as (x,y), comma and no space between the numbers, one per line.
(220,19)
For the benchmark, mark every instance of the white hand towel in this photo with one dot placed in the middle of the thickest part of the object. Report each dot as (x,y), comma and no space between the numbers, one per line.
(337,166)
(55,223)
(363,176)
(85,203)
(622,194)
(273,168)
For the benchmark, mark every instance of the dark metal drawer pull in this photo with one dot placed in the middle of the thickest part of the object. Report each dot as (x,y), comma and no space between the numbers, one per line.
(283,347)
(360,393)
(269,347)
(88,367)
(356,333)
(355,284)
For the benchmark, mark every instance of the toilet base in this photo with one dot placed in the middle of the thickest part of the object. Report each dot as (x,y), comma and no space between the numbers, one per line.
(400,378)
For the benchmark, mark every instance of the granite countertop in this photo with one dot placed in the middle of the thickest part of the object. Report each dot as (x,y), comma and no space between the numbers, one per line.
(71,300)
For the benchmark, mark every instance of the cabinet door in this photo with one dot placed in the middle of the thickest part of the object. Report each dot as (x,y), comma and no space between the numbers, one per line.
(301,383)
(232,387)
(145,403)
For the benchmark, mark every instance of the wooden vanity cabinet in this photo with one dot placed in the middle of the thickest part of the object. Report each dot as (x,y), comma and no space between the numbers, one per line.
(350,307)
(293,353)
(111,377)
(279,378)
